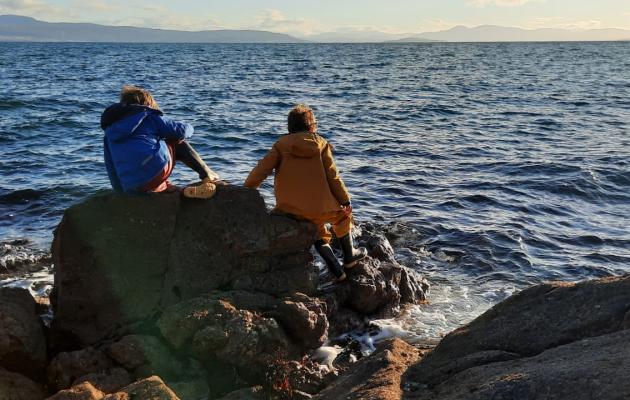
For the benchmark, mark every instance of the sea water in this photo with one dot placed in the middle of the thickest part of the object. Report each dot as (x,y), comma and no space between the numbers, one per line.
(504,165)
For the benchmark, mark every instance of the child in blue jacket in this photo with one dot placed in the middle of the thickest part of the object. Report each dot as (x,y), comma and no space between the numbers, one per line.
(141,147)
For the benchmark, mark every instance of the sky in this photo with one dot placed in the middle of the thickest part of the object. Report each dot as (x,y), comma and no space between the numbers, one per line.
(317,16)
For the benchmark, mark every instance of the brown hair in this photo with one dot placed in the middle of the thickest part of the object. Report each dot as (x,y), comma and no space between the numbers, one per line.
(137,95)
(302,119)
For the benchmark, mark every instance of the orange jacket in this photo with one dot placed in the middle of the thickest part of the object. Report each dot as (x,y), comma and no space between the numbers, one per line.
(307,182)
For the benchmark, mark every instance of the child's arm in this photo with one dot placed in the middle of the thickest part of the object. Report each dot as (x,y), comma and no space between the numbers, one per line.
(264,168)
(166,128)
(337,187)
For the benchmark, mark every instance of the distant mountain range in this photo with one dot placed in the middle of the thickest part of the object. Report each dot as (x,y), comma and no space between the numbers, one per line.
(492,33)
(20,28)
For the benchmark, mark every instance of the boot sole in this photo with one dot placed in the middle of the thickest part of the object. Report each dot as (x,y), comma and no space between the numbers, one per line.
(195,193)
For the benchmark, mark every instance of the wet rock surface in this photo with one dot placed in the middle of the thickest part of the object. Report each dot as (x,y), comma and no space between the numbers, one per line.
(21,256)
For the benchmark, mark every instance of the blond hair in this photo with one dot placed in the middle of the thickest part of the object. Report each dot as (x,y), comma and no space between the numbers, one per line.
(136,95)
(302,119)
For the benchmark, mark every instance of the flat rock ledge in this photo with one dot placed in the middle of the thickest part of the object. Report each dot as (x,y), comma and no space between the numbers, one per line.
(161,297)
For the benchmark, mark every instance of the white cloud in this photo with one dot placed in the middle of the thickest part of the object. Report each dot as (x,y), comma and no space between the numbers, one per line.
(501,3)
(563,23)
(27,7)
(109,13)
(276,21)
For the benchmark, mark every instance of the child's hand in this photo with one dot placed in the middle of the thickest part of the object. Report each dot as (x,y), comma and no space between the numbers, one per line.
(347,209)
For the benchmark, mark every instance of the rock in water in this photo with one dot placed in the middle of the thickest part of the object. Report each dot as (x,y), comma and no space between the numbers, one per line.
(22,341)
(121,259)
(551,341)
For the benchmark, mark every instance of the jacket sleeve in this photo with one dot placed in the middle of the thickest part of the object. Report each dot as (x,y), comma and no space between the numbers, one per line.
(264,168)
(166,128)
(111,170)
(337,187)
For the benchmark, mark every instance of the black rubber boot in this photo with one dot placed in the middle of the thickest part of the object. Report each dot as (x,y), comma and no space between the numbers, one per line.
(331,261)
(185,153)
(351,256)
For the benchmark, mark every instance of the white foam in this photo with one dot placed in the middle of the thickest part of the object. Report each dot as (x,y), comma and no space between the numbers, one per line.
(326,355)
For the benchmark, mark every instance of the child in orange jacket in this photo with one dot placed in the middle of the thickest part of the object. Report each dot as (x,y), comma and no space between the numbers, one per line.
(308,186)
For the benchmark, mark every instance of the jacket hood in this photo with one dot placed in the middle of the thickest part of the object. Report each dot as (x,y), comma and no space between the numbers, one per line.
(304,145)
(121,120)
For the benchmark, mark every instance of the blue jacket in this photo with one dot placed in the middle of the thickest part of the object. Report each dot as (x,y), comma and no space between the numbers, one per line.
(134,144)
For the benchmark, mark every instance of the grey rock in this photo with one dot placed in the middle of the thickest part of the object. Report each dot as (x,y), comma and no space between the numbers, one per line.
(551,341)
(22,341)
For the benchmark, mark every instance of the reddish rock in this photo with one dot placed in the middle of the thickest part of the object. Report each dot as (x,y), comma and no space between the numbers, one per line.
(107,382)
(373,288)
(215,328)
(377,377)
(83,391)
(304,319)
(14,386)
(135,351)
(65,368)
(22,342)
(152,388)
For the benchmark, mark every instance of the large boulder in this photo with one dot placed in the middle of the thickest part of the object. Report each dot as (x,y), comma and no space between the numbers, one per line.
(552,341)
(14,386)
(22,341)
(121,259)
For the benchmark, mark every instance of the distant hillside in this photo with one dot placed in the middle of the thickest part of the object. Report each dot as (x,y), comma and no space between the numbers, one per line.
(415,40)
(353,36)
(491,33)
(18,28)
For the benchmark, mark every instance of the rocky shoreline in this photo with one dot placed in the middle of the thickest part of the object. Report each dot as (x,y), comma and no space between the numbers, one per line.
(212,297)
(165,298)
